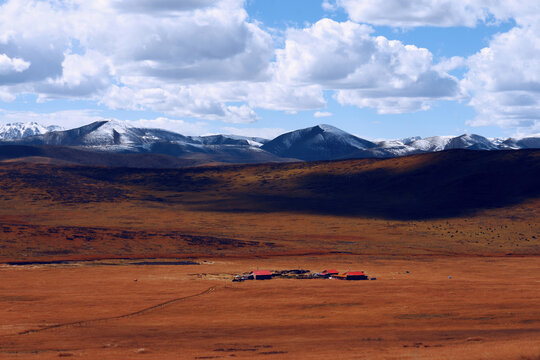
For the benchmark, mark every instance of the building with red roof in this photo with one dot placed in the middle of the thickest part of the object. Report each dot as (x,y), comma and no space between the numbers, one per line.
(261,274)
(328,273)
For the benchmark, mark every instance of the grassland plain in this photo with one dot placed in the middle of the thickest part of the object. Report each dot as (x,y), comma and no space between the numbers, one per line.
(452,237)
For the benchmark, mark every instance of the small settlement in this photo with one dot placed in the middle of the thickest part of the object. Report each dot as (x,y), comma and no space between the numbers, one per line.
(302,274)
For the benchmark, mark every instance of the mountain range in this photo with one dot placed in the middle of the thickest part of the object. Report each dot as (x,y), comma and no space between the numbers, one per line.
(116,143)
(22,130)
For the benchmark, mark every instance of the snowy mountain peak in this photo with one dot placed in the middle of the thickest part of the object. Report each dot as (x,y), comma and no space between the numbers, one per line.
(471,142)
(329,128)
(320,142)
(14,131)
(409,140)
(433,143)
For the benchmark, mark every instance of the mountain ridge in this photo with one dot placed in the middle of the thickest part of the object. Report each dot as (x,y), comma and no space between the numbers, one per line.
(319,142)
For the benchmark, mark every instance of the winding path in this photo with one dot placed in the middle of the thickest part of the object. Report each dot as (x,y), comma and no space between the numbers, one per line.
(139,312)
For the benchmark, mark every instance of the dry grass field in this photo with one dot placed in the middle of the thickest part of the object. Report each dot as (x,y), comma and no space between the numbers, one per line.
(489,309)
(453,239)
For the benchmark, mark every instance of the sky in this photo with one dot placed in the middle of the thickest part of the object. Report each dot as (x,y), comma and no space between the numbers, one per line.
(380,69)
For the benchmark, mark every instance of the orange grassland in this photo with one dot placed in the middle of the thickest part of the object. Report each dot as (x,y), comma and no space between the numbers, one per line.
(464,284)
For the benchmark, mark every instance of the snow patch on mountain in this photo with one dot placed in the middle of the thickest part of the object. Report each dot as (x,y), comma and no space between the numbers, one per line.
(471,142)
(432,143)
(393,148)
(15,131)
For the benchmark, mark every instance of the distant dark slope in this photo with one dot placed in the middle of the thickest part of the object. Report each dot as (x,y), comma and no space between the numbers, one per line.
(443,184)
(84,157)
(234,154)
(163,156)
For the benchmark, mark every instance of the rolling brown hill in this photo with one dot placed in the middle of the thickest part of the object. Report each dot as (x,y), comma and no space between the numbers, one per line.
(448,202)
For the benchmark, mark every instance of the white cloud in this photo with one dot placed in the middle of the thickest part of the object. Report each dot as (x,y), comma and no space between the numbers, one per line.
(145,54)
(211,43)
(83,76)
(284,96)
(399,13)
(366,71)
(203,101)
(176,125)
(446,65)
(322,114)
(165,6)
(6,95)
(383,105)
(205,59)
(505,82)
(8,65)
(34,32)
(440,13)
(328,5)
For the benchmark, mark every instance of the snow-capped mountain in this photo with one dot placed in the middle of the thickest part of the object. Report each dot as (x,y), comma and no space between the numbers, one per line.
(470,142)
(15,131)
(120,137)
(394,148)
(429,144)
(325,142)
(409,140)
(321,142)
(107,135)
(525,143)
(229,140)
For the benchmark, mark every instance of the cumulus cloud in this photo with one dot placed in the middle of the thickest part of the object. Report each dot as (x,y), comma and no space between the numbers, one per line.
(203,101)
(6,95)
(205,59)
(418,12)
(440,13)
(165,6)
(176,125)
(322,114)
(83,76)
(328,5)
(505,82)
(208,44)
(35,46)
(365,70)
(120,52)
(283,96)
(502,79)
(8,65)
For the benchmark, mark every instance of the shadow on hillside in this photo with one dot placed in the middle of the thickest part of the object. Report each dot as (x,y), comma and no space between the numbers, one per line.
(452,184)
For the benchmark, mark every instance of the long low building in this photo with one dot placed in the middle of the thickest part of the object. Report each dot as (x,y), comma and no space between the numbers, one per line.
(351,275)
(261,274)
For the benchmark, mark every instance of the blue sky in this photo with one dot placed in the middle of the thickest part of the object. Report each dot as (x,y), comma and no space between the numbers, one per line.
(261,67)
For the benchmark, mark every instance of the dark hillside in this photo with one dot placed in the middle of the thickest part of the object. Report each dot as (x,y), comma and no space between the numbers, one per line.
(435,185)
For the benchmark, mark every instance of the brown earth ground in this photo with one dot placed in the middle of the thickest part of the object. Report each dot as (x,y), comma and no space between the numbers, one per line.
(239,218)
(488,309)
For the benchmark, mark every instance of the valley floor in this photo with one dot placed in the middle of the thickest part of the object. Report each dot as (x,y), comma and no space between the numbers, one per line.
(456,257)
(432,307)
